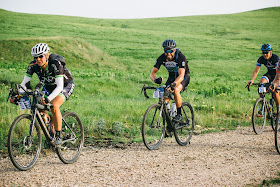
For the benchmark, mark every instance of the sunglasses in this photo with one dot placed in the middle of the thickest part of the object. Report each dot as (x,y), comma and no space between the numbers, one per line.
(265,52)
(168,51)
(41,56)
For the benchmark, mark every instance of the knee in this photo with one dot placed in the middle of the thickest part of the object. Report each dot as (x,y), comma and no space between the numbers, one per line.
(55,108)
(177,90)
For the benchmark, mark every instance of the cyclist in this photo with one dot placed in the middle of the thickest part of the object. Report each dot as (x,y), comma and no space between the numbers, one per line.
(57,79)
(269,60)
(179,74)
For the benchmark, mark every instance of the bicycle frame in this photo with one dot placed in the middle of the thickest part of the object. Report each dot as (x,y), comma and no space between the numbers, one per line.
(43,125)
(161,102)
(36,116)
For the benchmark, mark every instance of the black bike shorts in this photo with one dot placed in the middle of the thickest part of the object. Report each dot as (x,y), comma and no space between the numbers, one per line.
(184,83)
(269,77)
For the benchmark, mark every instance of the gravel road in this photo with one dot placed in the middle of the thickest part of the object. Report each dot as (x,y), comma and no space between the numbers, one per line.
(231,158)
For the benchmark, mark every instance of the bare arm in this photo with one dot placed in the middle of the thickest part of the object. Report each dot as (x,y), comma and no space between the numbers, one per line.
(153,74)
(180,78)
(254,75)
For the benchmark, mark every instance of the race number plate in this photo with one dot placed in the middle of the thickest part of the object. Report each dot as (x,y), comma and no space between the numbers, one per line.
(262,89)
(24,103)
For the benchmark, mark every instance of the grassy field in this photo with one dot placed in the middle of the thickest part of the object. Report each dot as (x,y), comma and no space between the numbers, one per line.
(112,59)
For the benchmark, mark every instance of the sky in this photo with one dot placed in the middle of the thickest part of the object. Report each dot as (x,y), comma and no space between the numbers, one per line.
(131,9)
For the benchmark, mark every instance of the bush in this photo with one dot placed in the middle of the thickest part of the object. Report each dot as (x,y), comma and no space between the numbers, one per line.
(117,128)
(100,127)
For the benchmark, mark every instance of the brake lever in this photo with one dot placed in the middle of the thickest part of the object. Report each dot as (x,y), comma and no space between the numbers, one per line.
(145,93)
(248,87)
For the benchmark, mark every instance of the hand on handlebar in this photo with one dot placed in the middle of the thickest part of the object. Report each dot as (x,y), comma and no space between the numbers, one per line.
(249,83)
(273,87)
(158,80)
(170,88)
(45,101)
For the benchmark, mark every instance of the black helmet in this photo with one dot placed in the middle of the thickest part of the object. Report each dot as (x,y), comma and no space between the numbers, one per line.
(169,44)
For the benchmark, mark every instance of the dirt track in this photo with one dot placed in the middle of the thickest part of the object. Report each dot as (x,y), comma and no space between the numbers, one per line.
(232,158)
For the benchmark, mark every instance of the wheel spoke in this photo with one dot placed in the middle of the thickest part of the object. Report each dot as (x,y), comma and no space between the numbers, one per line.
(184,129)
(72,138)
(259,115)
(23,148)
(152,130)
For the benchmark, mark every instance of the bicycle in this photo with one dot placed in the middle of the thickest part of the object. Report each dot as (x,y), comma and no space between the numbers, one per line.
(158,117)
(263,109)
(25,139)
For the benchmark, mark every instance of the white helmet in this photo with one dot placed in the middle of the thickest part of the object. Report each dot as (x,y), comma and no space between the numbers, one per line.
(39,49)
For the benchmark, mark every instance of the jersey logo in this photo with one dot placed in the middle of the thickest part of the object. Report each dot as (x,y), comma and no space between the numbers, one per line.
(48,79)
(183,63)
(170,64)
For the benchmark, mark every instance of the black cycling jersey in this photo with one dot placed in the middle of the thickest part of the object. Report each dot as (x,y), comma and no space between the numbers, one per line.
(270,64)
(173,66)
(54,69)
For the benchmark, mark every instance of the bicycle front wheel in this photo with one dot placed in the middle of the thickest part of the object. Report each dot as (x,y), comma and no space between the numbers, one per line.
(153,127)
(184,129)
(72,135)
(259,116)
(24,149)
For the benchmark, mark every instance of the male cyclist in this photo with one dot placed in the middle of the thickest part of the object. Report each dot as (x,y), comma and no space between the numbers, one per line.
(57,79)
(269,60)
(179,74)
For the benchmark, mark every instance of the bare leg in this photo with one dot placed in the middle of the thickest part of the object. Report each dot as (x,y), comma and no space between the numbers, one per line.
(57,117)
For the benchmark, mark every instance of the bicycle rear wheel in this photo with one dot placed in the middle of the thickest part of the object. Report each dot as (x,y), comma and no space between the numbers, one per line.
(183,130)
(23,149)
(153,127)
(277,135)
(72,135)
(259,116)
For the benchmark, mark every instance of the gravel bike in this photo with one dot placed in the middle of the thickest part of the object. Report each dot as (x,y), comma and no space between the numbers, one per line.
(25,139)
(158,119)
(264,110)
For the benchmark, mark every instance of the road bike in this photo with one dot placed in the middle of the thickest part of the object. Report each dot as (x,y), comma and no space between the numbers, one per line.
(264,109)
(25,139)
(158,119)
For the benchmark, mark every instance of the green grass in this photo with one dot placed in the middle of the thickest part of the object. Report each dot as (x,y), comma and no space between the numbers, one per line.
(112,59)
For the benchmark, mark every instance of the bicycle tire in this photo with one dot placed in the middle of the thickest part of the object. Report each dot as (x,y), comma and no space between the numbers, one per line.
(153,127)
(277,135)
(259,116)
(69,151)
(273,119)
(24,155)
(183,131)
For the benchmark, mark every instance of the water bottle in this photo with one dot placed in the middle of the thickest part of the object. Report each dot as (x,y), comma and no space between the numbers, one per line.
(167,106)
(173,110)
(161,92)
(45,118)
